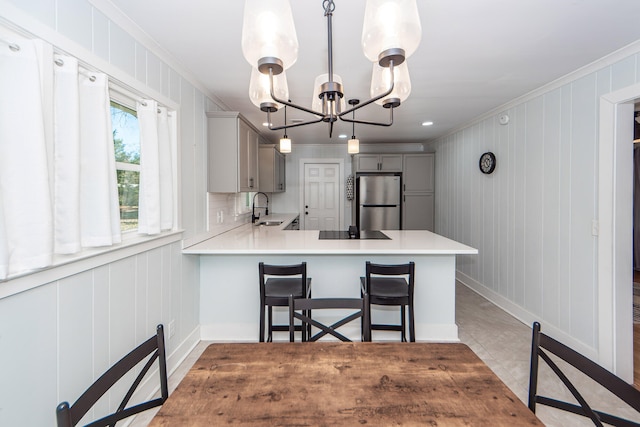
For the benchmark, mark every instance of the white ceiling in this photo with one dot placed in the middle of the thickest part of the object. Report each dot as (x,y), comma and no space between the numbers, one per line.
(475,55)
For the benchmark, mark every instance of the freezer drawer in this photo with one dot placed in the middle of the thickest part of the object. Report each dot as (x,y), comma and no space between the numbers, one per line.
(379,218)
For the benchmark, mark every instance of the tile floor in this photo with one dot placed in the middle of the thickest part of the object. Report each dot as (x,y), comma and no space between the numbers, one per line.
(502,342)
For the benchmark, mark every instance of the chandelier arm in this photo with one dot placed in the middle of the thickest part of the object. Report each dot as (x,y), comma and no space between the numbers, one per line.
(363,122)
(374,99)
(290,126)
(288,103)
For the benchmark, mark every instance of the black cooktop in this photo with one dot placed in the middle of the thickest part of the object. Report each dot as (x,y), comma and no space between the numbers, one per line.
(344,235)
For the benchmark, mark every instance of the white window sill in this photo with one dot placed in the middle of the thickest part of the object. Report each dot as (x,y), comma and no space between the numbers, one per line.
(68,265)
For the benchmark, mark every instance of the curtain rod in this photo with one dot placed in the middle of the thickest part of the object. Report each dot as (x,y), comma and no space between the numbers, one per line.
(116,87)
(13,46)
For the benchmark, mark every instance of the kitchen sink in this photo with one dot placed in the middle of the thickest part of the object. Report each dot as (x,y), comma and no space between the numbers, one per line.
(270,223)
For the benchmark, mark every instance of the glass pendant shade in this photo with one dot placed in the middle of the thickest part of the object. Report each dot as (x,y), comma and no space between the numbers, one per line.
(381,80)
(316,103)
(260,92)
(353,146)
(268,31)
(285,145)
(390,24)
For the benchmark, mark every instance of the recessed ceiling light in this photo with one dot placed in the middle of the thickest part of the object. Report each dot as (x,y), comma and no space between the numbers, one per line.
(266,124)
(342,135)
(427,123)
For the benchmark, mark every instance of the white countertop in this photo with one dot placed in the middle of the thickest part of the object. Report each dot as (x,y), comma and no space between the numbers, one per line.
(253,239)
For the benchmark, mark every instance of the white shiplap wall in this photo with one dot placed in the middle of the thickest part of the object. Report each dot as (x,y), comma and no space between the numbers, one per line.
(74,321)
(532,218)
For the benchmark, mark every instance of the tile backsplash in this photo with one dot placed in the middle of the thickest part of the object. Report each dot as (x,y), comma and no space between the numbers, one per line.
(227,211)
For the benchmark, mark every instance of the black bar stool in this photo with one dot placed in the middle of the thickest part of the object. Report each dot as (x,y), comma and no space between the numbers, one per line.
(396,290)
(275,291)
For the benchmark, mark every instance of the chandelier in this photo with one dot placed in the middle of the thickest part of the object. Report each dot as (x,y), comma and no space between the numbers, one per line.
(390,34)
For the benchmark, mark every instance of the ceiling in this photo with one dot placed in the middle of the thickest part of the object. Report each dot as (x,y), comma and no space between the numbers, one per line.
(474,56)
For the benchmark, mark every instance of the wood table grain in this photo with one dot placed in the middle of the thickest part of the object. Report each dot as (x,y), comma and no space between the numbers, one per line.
(342,384)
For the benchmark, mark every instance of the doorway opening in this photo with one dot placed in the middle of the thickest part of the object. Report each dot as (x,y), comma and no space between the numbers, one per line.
(615,237)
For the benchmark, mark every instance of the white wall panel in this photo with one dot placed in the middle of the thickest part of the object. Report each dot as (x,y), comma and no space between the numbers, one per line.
(28,365)
(153,71)
(152,281)
(534,171)
(75,326)
(583,179)
(200,162)
(623,73)
(536,210)
(141,63)
(550,177)
(74,21)
(122,52)
(100,34)
(143,303)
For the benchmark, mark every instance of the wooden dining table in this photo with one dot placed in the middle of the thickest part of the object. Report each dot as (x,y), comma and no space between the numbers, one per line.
(342,384)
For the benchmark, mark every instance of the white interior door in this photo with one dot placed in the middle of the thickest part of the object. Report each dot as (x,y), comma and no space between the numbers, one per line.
(321,196)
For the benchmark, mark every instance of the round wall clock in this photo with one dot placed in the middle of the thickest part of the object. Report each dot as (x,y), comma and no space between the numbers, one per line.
(487,162)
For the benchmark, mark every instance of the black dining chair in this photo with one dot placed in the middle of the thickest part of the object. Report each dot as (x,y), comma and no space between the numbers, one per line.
(301,309)
(542,346)
(151,350)
(391,285)
(277,282)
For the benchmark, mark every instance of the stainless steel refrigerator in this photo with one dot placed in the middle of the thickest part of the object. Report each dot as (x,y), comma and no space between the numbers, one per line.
(378,202)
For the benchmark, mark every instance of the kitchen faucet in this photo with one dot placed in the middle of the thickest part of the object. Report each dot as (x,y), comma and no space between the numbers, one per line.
(253,207)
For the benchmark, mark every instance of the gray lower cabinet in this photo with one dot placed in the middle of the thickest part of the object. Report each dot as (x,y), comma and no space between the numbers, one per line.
(417,211)
(272,169)
(232,145)
(418,192)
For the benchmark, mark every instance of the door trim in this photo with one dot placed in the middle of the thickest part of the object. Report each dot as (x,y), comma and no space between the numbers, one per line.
(615,266)
(341,180)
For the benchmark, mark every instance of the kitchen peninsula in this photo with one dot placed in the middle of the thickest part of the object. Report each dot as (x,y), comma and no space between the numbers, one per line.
(229,302)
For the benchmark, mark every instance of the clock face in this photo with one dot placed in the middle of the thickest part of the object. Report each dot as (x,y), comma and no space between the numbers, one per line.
(487,162)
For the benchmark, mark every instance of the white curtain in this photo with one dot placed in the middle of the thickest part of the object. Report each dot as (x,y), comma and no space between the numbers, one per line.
(155,212)
(99,207)
(25,202)
(66,161)
(86,209)
(58,190)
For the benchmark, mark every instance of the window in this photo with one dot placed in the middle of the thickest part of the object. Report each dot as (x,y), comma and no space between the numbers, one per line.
(126,142)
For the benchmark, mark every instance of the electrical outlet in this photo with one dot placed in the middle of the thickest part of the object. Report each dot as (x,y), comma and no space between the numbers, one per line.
(221,216)
(172,328)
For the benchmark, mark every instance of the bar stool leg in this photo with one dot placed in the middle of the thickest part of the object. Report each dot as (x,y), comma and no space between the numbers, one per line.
(403,326)
(270,336)
(261,335)
(412,323)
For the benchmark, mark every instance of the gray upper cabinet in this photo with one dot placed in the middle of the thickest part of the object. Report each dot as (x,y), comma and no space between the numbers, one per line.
(378,162)
(418,172)
(418,196)
(272,169)
(232,153)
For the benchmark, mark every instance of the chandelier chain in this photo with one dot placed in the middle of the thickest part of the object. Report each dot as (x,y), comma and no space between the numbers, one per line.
(329,6)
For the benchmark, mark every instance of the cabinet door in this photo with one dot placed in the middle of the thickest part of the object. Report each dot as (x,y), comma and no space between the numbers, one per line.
(280,172)
(367,163)
(223,151)
(418,172)
(390,162)
(417,212)
(248,154)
